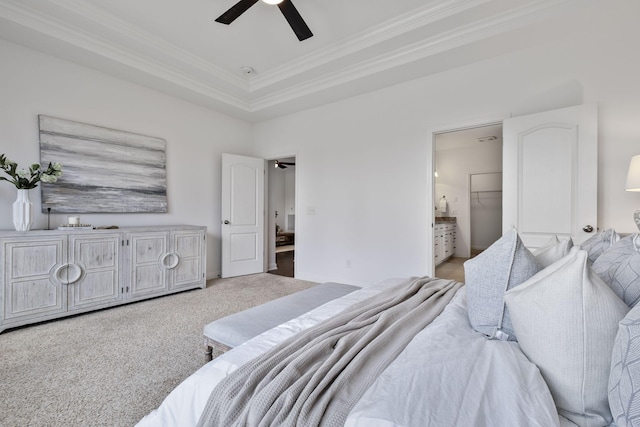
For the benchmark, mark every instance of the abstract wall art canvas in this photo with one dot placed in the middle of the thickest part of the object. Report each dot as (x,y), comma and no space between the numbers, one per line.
(105,170)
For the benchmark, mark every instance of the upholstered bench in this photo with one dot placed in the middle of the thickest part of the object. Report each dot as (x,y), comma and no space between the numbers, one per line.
(230,331)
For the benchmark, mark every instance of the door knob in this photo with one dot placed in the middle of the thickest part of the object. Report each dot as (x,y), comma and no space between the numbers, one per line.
(226,221)
(587,229)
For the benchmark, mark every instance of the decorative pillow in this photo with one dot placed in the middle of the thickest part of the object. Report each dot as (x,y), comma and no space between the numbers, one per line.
(503,265)
(553,251)
(597,244)
(624,380)
(566,319)
(619,267)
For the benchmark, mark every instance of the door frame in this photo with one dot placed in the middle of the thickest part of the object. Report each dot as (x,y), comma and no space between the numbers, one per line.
(431,184)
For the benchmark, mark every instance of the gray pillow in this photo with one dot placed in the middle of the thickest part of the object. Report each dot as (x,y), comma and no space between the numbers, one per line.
(619,267)
(624,379)
(597,244)
(505,264)
(566,319)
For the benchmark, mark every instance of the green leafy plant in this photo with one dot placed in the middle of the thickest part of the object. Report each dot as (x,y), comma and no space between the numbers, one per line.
(26,179)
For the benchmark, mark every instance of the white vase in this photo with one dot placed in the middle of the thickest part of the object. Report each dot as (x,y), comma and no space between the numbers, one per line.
(22,211)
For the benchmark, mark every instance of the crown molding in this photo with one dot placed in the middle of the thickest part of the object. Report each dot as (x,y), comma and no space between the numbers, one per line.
(183,70)
(461,36)
(392,28)
(123,28)
(56,29)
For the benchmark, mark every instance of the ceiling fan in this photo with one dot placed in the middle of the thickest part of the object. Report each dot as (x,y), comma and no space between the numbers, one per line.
(283,165)
(286,7)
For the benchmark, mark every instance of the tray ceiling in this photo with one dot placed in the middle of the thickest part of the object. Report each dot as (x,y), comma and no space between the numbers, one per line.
(256,68)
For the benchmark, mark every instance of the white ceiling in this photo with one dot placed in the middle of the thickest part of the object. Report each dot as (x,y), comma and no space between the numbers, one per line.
(358,45)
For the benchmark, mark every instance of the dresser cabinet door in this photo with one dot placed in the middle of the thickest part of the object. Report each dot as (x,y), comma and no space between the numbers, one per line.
(46,274)
(185,261)
(93,270)
(33,273)
(147,275)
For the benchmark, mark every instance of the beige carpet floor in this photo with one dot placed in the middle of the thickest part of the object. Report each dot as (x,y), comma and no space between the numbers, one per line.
(112,367)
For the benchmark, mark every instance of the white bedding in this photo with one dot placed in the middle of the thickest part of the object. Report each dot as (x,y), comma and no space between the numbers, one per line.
(448,375)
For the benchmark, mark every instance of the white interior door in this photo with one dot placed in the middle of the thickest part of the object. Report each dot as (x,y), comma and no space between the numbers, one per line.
(550,164)
(242,215)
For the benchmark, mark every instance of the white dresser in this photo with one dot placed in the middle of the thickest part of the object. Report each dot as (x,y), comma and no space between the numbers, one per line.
(46,274)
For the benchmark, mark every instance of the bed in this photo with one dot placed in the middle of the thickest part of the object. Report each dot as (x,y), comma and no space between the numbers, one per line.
(460,369)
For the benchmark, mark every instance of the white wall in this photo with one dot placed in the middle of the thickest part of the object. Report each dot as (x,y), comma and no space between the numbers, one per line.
(362,163)
(32,83)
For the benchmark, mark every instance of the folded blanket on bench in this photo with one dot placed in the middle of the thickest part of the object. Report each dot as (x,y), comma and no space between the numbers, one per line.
(317,376)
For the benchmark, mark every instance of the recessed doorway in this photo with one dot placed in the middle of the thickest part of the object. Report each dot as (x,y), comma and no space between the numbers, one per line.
(282,216)
(466,163)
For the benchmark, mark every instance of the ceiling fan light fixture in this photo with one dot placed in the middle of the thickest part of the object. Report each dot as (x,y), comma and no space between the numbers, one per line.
(291,14)
(282,165)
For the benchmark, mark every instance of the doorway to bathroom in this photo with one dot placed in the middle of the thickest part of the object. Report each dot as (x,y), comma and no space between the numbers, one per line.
(467,196)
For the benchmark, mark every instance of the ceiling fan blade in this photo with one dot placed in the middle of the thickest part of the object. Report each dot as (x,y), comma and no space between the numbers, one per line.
(236,10)
(295,20)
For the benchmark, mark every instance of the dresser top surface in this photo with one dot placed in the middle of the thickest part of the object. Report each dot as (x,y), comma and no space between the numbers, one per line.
(73,230)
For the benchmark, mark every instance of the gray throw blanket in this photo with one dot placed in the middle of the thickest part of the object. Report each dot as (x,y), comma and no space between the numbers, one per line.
(316,377)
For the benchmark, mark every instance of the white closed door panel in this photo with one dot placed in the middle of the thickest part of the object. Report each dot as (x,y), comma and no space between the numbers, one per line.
(550,175)
(242,215)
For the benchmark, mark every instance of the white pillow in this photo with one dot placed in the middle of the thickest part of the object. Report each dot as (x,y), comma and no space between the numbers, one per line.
(566,319)
(553,251)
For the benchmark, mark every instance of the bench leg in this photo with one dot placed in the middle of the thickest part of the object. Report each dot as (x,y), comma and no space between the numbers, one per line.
(208,353)
(211,346)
